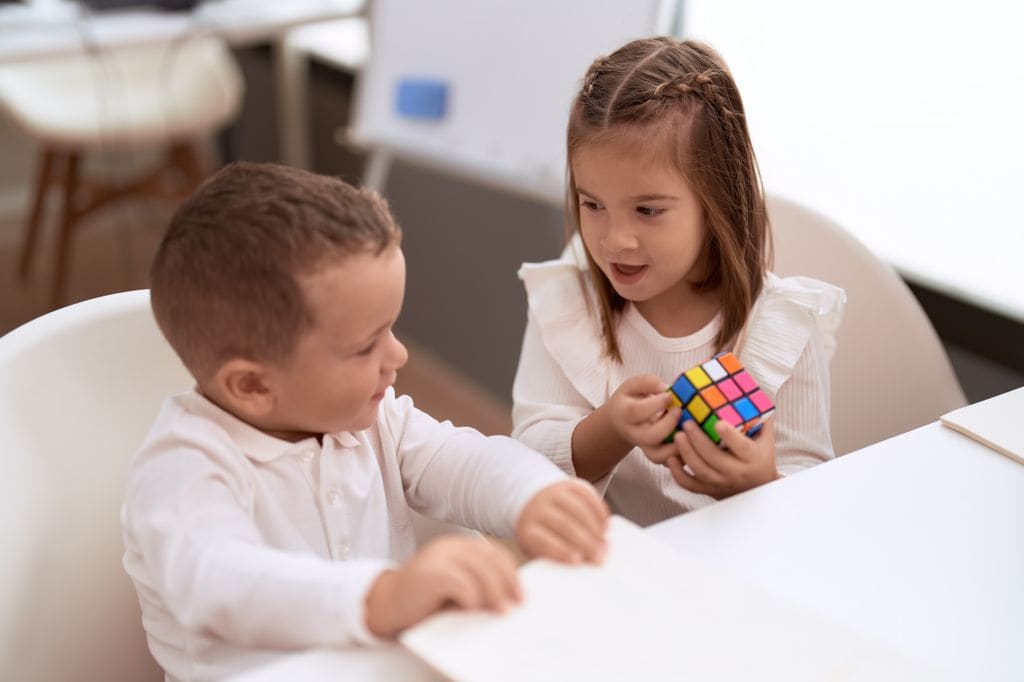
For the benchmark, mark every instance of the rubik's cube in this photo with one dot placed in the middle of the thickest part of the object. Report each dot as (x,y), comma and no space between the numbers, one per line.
(720,389)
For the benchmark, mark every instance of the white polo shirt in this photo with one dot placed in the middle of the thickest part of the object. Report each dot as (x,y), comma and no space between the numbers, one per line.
(241,544)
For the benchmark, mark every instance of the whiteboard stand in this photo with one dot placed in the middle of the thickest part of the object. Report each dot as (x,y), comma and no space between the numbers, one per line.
(378,167)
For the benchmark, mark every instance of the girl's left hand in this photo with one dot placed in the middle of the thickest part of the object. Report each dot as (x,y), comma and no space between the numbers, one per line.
(748,462)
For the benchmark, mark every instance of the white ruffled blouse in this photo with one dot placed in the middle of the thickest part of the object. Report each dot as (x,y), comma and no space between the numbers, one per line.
(564,375)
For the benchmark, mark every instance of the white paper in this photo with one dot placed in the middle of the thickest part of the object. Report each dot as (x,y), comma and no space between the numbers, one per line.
(649,613)
(995,422)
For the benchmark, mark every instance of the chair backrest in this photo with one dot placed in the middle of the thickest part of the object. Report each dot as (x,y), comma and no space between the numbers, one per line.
(79,388)
(890,372)
(118,96)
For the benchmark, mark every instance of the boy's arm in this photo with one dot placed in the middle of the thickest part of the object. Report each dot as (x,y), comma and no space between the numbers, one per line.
(458,474)
(190,540)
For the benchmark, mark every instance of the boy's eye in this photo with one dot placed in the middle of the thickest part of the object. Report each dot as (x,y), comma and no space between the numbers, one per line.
(590,205)
(368,349)
(649,211)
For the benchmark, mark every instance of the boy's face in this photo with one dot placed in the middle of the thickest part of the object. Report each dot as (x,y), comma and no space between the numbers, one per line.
(342,366)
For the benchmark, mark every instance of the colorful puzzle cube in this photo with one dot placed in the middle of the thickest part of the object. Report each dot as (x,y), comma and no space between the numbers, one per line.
(720,389)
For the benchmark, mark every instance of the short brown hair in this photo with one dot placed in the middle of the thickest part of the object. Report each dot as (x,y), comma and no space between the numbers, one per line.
(676,103)
(224,282)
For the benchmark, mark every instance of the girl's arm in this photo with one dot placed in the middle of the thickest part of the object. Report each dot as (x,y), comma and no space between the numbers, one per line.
(549,415)
(545,406)
(802,433)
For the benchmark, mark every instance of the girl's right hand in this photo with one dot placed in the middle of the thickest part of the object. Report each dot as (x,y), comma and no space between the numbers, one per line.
(641,411)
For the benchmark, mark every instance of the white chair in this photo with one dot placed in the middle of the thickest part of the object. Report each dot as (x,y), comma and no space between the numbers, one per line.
(165,96)
(890,372)
(79,388)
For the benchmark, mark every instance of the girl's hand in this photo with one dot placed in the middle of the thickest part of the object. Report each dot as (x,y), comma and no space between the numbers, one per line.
(641,411)
(748,462)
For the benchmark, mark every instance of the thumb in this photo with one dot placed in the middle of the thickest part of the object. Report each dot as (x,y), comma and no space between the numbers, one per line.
(645,384)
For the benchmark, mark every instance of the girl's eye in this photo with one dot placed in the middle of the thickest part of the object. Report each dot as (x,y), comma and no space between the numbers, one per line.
(368,349)
(649,211)
(590,205)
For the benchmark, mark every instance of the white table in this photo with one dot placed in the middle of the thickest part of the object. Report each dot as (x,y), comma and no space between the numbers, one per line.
(914,541)
(55,28)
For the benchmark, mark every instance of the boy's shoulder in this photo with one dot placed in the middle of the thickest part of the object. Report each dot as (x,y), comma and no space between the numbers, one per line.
(188,429)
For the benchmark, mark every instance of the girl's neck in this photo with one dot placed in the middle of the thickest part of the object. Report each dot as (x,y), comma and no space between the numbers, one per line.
(677,317)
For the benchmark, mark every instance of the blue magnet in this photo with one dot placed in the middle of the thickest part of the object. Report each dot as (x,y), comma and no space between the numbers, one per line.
(422,98)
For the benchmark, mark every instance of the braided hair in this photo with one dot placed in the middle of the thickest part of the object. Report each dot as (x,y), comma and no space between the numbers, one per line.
(676,103)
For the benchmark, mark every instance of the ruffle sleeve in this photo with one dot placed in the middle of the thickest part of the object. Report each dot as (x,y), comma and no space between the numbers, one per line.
(788,312)
(569,325)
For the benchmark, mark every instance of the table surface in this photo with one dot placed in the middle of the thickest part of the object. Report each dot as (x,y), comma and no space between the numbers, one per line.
(47,29)
(914,542)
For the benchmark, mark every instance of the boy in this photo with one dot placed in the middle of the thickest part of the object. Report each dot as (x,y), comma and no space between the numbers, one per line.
(269,507)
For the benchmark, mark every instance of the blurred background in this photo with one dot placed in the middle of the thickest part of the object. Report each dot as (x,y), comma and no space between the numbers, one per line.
(899,120)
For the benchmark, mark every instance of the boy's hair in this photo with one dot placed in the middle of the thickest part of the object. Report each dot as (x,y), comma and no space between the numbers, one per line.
(225,280)
(675,103)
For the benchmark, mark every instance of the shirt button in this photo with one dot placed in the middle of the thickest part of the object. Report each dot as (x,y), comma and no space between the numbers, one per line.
(342,550)
(308,455)
(334,498)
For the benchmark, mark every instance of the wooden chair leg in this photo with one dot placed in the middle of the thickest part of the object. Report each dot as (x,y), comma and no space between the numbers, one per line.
(44,176)
(192,163)
(69,215)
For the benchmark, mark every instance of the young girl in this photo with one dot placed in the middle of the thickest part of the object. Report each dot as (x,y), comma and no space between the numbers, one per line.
(664,194)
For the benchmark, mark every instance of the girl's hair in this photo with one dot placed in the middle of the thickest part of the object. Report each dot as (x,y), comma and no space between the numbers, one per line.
(226,280)
(675,102)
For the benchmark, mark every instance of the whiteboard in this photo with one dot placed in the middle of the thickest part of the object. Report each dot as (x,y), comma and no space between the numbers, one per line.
(899,120)
(512,69)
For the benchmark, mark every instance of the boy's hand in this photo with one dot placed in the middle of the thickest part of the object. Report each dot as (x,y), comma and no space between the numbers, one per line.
(748,463)
(641,411)
(468,573)
(565,521)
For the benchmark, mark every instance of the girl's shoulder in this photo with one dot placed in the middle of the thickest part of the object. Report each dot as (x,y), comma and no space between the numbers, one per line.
(789,312)
(562,307)
(560,287)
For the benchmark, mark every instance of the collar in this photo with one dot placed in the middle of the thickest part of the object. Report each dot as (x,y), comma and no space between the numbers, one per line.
(255,444)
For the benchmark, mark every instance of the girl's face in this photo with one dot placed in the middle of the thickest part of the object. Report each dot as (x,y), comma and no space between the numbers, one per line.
(642,224)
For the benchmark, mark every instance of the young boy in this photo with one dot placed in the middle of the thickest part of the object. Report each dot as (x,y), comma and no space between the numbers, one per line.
(269,507)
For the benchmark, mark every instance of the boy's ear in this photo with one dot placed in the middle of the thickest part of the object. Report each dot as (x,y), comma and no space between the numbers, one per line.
(244,385)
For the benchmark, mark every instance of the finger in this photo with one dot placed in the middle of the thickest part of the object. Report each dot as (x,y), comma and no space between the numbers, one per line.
(562,521)
(644,410)
(693,444)
(539,540)
(685,480)
(495,574)
(644,384)
(654,433)
(661,453)
(582,503)
(460,587)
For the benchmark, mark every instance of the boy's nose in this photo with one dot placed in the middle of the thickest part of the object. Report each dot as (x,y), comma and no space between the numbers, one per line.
(399,354)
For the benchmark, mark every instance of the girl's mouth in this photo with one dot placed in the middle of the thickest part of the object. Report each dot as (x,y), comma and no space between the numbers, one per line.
(627,274)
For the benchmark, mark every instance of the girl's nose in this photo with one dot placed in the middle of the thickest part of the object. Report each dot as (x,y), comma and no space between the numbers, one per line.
(620,237)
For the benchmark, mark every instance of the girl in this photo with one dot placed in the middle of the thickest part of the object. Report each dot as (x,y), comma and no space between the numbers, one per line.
(665,196)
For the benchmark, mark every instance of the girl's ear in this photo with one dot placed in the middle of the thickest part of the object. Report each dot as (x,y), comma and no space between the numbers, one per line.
(244,386)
